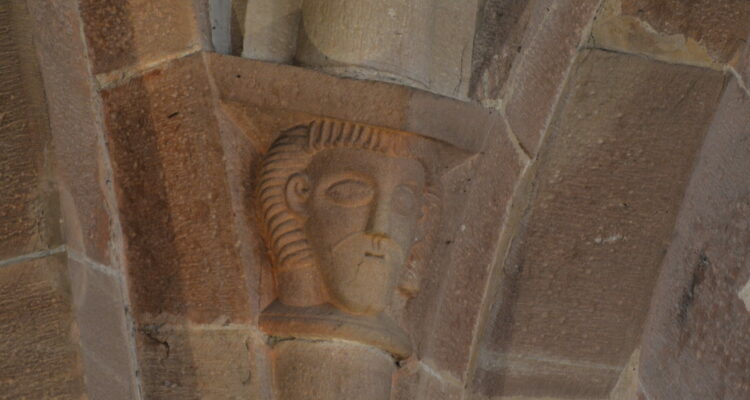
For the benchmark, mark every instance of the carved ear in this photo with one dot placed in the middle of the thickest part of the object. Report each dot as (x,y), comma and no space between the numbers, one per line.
(297,191)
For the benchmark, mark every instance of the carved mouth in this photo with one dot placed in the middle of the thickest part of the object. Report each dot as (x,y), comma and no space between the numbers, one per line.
(373,255)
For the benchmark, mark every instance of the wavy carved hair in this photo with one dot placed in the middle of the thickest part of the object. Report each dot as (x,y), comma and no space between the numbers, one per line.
(290,153)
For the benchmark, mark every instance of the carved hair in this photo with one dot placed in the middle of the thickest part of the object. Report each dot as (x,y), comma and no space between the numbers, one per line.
(290,153)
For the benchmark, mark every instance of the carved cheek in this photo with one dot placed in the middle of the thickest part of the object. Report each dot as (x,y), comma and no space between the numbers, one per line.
(329,223)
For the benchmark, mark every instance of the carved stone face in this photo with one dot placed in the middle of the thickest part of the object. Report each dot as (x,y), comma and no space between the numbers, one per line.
(360,209)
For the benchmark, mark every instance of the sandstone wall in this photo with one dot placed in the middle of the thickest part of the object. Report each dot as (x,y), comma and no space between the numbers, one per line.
(591,247)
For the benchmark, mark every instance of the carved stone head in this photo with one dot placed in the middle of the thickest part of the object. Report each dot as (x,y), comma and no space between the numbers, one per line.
(342,203)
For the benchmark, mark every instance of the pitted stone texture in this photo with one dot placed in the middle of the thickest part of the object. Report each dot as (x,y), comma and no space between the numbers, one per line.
(28,216)
(445,314)
(628,384)
(608,186)
(503,27)
(172,193)
(39,347)
(331,370)
(742,64)
(720,26)
(127,33)
(104,334)
(453,30)
(697,341)
(207,362)
(705,33)
(79,164)
(415,381)
(275,89)
(537,78)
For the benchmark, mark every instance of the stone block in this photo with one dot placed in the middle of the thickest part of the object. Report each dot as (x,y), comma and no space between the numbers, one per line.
(538,77)
(416,381)
(272,88)
(575,285)
(216,362)
(80,165)
(453,31)
(742,63)
(703,32)
(697,341)
(136,33)
(28,210)
(175,210)
(104,333)
(445,314)
(39,344)
(331,370)
(503,28)
(628,385)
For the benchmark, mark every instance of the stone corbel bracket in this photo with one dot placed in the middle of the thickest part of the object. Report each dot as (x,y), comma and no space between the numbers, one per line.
(284,107)
(272,86)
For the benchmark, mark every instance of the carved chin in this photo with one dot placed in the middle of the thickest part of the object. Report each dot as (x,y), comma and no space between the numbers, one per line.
(360,285)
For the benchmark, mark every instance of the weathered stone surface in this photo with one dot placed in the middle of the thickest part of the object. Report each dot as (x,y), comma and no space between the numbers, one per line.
(576,282)
(702,32)
(271,29)
(242,159)
(445,314)
(127,33)
(422,43)
(28,216)
(453,29)
(415,381)
(721,26)
(39,347)
(211,362)
(538,77)
(172,193)
(502,26)
(104,334)
(742,63)
(628,384)
(383,40)
(79,166)
(697,341)
(297,90)
(331,370)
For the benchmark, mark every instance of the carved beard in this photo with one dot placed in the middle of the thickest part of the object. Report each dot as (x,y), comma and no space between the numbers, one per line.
(360,272)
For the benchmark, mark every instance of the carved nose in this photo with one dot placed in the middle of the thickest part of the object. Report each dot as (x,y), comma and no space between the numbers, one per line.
(379,219)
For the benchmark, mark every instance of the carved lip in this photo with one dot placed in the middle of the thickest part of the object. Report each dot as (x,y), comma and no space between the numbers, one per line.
(375,255)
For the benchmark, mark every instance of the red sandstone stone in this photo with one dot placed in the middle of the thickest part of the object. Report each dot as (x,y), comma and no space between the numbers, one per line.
(39,347)
(537,78)
(719,25)
(79,165)
(274,88)
(415,381)
(127,33)
(175,211)
(445,314)
(212,363)
(28,205)
(697,342)
(104,334)
(576,282)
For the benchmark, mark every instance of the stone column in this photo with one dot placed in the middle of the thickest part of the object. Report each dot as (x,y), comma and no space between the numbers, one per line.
(381,40)
(271,28)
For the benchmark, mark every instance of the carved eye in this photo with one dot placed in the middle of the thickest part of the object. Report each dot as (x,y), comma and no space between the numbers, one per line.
(405,200)
(350,193)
